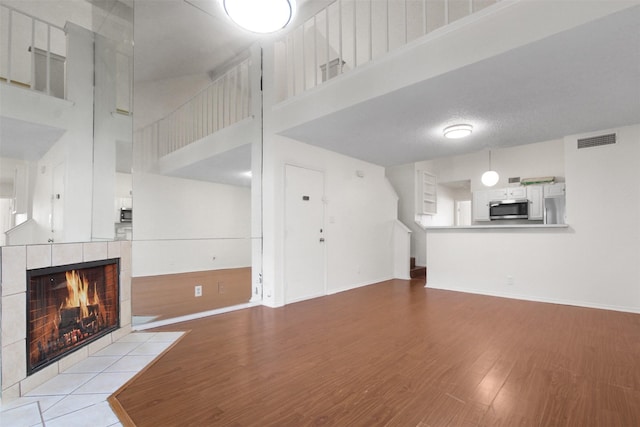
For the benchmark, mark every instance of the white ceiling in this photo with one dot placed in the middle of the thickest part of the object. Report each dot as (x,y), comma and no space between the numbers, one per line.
(577,81)
(33,140)
(229,167)
(581,80)
(176,38)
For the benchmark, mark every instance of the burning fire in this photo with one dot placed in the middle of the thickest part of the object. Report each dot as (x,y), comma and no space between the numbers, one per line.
(78,289)
(66,309)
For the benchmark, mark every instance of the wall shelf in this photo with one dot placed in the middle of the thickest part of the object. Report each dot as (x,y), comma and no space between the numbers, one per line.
(426,193)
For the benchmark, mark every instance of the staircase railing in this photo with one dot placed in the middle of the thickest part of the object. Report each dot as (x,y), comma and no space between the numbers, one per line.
(32,52)
(226,101)
(350,33)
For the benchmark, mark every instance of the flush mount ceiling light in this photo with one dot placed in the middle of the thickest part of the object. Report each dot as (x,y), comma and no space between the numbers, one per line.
(490,177)
(457,131)
(260,16)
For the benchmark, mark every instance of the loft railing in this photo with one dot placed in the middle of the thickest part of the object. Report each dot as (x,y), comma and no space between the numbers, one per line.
(33,55)
(32,52)
(227,100)
(350,33)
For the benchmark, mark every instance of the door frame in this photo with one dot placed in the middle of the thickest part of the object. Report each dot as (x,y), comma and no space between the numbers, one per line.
(284,231)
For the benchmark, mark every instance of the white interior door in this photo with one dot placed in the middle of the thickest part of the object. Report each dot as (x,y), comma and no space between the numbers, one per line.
(463,212)
(304,257)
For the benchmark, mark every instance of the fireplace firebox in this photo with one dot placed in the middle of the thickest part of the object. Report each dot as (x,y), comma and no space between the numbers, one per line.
(68,307)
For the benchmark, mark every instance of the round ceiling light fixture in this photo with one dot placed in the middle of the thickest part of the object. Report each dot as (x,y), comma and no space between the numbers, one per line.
(457,131)
(260,16)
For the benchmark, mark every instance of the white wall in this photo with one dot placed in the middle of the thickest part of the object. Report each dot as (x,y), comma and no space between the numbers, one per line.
(402,179)
(109,129)
(593,263)
(524,161)
(183,225)
(359,217)
(123,195)
(42,209)
(445,208)
(75,146)
(531,160)
(156,99)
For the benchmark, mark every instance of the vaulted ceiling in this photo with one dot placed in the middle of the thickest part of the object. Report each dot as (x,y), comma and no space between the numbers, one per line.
(580,80)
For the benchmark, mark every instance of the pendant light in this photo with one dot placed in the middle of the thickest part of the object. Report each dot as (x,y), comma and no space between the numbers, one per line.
(260,16)
(490,177)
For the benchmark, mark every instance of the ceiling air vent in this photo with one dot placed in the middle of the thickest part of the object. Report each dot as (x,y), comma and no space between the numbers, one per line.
(597,140)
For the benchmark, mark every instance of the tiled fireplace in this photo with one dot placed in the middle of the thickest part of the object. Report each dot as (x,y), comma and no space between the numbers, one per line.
(68,307)
(60,304)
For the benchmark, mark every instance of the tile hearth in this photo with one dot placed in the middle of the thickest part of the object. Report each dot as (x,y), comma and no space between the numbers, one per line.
(78,395)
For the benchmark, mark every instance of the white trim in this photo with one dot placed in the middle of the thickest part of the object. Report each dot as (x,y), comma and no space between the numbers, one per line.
(305,298)
(535,298)
(361,285)
(193,316)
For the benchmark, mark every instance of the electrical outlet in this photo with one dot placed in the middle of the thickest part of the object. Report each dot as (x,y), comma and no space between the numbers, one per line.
(198,291)
(220,288)
(510,280)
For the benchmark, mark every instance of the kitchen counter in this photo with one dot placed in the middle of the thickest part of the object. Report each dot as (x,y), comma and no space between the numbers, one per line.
(494,226)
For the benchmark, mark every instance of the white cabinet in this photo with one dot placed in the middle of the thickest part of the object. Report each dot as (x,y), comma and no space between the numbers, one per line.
(554,190)
(481,205)
(516,193)
(482,198)
(534,194)
(426,200)
(509,193)
(496,194)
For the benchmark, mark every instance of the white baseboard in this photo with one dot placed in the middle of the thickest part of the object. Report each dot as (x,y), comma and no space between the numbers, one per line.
(358,285)
(193,316)
(535,298)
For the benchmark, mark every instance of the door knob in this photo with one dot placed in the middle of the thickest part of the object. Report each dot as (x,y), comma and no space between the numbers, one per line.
(322,240)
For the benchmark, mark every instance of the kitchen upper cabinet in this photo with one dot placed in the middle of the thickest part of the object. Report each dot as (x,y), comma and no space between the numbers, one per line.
(496,194)
(426,201)
(516,193)
(509,193)
(482,199)
(534,194)
(481,205)
(554,190)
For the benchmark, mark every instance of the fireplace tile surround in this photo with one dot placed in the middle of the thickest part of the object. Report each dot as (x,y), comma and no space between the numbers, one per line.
(14,262)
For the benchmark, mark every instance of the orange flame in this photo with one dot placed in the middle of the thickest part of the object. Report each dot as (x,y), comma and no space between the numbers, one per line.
(78,289)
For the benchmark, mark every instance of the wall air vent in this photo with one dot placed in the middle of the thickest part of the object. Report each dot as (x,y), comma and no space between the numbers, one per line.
(597,141)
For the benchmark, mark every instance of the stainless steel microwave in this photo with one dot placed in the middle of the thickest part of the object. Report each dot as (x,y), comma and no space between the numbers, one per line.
(509,209)
(126,215)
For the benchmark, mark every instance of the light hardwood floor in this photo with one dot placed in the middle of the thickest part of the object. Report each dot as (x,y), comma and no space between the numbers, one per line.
(172,295)
(396,354)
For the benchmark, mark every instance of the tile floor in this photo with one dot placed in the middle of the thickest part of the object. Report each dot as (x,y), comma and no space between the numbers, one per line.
(78,396)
